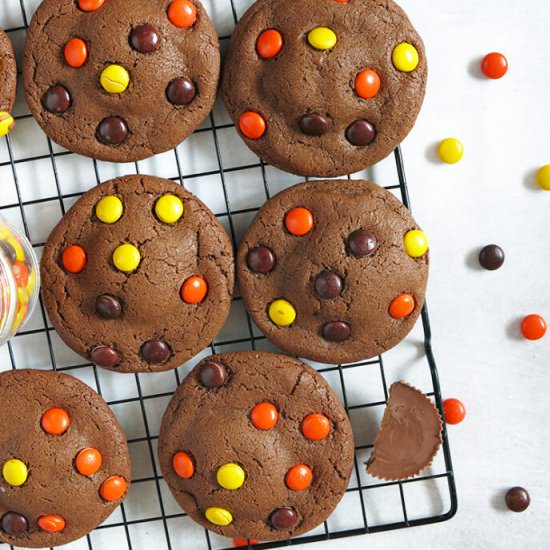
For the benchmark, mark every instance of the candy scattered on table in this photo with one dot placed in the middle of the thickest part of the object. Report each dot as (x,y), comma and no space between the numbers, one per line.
(454,411)
(543,177)
(517,499)
(533,327)
(491,257)
(494,65)
(450,150)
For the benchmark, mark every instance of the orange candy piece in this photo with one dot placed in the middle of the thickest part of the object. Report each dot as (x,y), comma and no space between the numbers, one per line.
(182,13)
(252,125)
(454,411)
(21,274)
(533,327)
(299,477)
(315,427)
(113,488)
(239,543)
(402,306)
(74,259)
(55,421)
(76,52)
(90,5)
(264,416)
(299,221)
(367,84)
(88,461)
(51,523)
(183,465)
(194,290)
(269,44)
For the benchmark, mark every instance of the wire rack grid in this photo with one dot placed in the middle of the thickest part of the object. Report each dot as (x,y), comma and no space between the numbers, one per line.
(41,181)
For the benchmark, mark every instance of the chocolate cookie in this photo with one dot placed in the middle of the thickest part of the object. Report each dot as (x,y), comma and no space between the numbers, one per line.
(64,458)
(117,80)
(324,87)
(410,435)
(138,276)
(256,445)
(334,271)
(8,81)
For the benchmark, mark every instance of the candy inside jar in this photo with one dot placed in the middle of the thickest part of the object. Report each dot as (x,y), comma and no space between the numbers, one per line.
(19,281)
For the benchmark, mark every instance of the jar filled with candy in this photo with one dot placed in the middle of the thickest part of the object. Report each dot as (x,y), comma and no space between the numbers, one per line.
(19,281)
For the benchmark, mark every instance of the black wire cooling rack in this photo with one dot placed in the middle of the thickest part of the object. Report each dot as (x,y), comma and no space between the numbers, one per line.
(375,506)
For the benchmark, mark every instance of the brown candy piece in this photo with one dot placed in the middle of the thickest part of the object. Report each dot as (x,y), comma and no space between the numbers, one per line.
(145,39)
(112,130)
(156,351)
(105,356)
(108,307)
(328,285)
(284,519)
(517,499)
(336,331)
(361,133)
(261,260)
(213,374)
(57,100)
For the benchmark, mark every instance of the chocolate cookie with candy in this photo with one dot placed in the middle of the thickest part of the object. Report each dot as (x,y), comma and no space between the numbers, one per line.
(324,87)
(117,80)
(274,452)
(63,457)
(8,79)
(334,271)
(138,276)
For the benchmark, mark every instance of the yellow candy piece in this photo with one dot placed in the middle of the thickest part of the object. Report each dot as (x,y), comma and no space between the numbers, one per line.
(450,150)
(7,124)
(115,79)
(416,243)
(282,313)
(543,178)
(126,258)
(218,516)
(405,57)
(109,209)
(19,318)
(322,38)
(15,472)
(169,209)
(230,476)
(22,297)
(31,285)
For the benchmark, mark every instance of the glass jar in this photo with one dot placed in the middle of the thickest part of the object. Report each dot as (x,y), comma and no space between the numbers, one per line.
(19,281)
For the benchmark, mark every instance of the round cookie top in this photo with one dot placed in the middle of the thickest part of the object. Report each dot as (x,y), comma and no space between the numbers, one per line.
(64,459)
(274,451)
(324,87)
(334,271)
(138,276)
(120,84)
(8,74)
